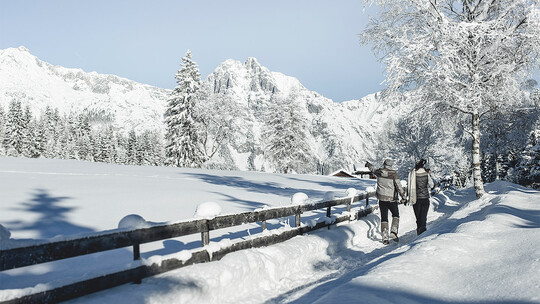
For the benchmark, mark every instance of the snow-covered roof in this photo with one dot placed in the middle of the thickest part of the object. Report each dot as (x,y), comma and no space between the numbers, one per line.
(342,172)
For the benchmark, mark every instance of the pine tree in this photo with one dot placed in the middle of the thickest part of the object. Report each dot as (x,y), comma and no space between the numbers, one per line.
(2,129)
(84,138)
(286,136)
(528,168)
(183,147)
(131,148)
(15,132)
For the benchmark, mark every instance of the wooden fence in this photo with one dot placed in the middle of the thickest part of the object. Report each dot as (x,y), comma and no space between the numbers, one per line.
(53,251)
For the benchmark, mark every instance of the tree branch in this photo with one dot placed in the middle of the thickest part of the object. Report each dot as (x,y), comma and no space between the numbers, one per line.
(464,129)
(461,110)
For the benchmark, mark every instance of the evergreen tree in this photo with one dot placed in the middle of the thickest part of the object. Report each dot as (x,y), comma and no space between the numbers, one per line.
(131,148)
(286,136)
(15,132)
(528,169)
(84,138)
(183,147)
(2,130)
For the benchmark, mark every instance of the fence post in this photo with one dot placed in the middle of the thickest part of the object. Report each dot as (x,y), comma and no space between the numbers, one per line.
(328,214)
(137,256)
(136,251)
(297,220)
(205,235)
(263,225)
(367,199)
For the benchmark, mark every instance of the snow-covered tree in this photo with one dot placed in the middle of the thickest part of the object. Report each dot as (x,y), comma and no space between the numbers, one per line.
(217,120)
(286,136)
(131,148)
(527,171)
(183,147)
(468,57)
(15,130)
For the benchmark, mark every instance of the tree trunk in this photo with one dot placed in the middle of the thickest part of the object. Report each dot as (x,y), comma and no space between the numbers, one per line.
(477,170)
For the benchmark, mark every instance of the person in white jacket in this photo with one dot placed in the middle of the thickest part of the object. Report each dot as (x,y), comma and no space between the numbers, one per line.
(419,186)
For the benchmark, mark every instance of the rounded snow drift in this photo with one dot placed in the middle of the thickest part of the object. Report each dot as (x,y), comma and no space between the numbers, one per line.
(329,196)
(208,209)
(4,233)
(132,221)
(299,198)
(351,192)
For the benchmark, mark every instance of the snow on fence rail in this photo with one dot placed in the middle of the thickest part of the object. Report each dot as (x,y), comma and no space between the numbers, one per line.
(52,251)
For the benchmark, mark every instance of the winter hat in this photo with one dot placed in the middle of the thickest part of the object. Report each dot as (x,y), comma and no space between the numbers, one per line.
(420,164)
(388,163)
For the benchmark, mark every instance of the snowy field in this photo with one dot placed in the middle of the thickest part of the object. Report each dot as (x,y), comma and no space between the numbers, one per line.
(481,251)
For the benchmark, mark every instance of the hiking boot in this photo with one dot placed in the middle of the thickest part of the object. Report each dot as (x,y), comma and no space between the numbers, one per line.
(394,229)
(384,232)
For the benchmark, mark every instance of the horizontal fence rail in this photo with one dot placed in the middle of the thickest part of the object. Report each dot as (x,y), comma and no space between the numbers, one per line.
(52,251)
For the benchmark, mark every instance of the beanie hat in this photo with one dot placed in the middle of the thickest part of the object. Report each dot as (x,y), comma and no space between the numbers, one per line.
(420,164)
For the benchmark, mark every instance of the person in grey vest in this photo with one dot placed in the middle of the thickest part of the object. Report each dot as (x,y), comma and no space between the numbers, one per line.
(419,186)
(388,187)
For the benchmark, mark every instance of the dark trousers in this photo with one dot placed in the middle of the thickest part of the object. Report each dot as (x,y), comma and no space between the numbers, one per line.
(420,211)
(385,206)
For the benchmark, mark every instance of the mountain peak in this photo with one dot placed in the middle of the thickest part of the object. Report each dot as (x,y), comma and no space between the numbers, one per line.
(252,64)
(23,49)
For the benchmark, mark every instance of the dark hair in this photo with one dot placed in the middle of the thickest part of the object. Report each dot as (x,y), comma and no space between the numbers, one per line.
(420,164)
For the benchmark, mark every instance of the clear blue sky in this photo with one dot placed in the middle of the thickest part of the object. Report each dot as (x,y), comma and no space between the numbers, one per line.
(313,40)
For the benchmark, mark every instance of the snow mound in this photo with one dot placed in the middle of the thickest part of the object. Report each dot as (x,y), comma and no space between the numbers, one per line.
(370,189)
(4,233)
(207,210)
(299,198)
(132,221)
(351,192)
(329,196)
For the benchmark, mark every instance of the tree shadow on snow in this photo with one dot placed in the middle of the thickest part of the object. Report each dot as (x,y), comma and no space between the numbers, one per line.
(52,219)
(253,186)
(243,203)
(339,182)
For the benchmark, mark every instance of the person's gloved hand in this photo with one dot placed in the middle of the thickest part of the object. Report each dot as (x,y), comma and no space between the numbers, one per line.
(404,201)
(367,164)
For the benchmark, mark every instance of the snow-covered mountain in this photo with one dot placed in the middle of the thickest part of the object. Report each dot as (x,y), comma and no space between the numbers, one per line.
(252,88)
(39,84)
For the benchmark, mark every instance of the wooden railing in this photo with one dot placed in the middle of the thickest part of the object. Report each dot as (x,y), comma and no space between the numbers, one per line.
(53,251)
